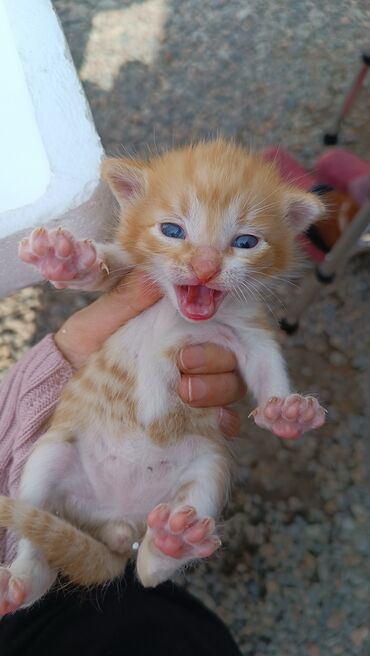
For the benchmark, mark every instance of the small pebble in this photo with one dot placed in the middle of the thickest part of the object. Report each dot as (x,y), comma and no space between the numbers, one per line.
(358,636)
(313,650)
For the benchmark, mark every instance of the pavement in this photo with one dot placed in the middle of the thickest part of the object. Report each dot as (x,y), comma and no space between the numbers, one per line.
(293,575)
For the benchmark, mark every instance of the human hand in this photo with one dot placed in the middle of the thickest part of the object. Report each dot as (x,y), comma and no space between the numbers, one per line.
(209,378)
(206,365)
(86,331)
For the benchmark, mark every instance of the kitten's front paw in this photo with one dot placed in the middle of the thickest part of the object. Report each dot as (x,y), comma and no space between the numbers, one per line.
(182,534)
(61,258)
(289,418)
(13,591)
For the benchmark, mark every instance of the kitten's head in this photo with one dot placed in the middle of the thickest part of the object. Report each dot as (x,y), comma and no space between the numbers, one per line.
(208,220)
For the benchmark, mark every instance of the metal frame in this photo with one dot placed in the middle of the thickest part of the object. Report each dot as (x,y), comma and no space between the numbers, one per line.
(347,245)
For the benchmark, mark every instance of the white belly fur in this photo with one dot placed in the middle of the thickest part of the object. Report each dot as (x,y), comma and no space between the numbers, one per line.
(126,478)
(147,339)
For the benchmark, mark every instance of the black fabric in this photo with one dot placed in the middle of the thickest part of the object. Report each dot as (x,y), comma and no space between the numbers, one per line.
(123,619)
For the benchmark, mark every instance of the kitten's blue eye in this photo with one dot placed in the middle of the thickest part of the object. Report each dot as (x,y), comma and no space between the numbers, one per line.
(245,241)
(173,230)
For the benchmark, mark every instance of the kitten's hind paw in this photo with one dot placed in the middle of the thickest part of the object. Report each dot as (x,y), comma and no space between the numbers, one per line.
(289,418)
(182,534)
(12,592)
(62,259)
(173,539)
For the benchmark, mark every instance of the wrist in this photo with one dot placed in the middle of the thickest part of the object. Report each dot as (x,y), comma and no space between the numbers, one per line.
(67,341)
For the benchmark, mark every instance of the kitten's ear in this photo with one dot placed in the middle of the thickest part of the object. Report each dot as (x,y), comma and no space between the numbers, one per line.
(126,178)
(302,209)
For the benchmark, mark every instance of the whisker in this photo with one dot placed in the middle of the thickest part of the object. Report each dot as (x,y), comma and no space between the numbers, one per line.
(265,287)
(276,279)
(252,288)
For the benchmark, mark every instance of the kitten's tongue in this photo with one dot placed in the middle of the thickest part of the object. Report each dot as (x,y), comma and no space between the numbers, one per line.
(196,302)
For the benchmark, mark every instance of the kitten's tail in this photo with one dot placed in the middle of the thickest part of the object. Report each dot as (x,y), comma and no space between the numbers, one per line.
(83,559)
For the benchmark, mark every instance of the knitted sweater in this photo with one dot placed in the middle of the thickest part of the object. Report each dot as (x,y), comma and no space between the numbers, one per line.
(28,395)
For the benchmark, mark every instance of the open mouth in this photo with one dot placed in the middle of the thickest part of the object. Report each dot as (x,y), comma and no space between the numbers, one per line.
(198,302)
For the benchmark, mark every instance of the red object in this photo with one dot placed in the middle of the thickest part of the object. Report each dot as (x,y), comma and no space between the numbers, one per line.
(339,167)
(313,252)
(349,100)
(290,169)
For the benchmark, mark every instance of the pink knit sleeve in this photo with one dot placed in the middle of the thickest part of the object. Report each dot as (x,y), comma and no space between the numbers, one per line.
(28,395)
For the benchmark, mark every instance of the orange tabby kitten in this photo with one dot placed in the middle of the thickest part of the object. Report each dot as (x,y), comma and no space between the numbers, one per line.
(124,459)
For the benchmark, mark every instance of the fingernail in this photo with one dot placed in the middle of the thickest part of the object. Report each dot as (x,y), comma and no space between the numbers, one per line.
(192,357)
(192,389)
(228,422)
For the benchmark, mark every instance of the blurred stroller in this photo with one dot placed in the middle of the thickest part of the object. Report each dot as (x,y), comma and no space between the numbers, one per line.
(343,179)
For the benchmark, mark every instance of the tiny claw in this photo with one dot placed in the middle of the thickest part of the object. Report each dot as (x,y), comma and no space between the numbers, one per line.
(104,268)
(253,413)
(187,510)
(274,399)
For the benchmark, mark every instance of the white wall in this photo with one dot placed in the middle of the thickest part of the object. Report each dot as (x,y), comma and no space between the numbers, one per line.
(50,152)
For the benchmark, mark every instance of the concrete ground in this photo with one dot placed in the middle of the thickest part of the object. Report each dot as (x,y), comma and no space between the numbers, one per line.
(293,576)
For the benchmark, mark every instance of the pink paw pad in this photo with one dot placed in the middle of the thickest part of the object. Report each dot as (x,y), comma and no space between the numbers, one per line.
(289,418)
(182,534)
(59,256)
(12,592)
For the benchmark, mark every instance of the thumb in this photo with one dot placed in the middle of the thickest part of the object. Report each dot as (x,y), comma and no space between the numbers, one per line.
(87,330)
(132,295)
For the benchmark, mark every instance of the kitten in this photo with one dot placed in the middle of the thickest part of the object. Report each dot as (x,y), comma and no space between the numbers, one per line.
(124,459)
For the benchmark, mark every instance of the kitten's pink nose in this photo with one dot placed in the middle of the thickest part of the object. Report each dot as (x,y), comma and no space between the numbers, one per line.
(206,263)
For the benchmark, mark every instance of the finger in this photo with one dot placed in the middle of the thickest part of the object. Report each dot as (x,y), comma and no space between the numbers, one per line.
(206,359)
(229,422)
(85,331)
(212,390)
(133,295)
